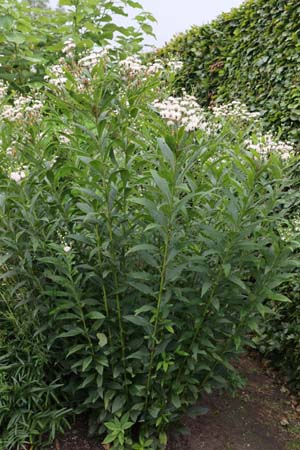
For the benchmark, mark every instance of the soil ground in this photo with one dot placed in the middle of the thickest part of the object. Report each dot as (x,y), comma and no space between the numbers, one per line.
(261,416)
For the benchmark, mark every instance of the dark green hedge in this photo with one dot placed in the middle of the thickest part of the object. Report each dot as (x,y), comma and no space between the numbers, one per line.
(251,53)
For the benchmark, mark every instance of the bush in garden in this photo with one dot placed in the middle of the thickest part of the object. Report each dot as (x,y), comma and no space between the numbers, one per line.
(137,252)
(251,53)
(280,335)
(138,248)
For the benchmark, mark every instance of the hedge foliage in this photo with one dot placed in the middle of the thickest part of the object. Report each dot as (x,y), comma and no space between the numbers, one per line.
(251,53)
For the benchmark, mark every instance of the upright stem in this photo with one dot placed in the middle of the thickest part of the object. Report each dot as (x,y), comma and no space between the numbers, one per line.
(161,289)
(103,286)
(158,306)
(118,303)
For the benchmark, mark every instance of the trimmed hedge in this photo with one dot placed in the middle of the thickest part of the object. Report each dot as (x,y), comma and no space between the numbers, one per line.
(251,53)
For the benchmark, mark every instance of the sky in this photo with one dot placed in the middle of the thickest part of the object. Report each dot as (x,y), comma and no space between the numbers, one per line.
(175,16)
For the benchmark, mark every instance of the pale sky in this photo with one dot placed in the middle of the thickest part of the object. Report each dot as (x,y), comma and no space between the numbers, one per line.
(175,16)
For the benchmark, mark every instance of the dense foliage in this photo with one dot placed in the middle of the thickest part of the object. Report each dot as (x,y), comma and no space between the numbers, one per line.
(32,36)
(279,339)
(251,53)
(137,237)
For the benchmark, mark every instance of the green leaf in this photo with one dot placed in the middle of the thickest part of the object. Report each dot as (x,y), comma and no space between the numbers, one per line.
(84,207)
(95,315)
(66,2)
(236,280)
(109,438)
(216,303)
(161,184)
(227,269)
(154,411)
(102,339)
(142,248)
(15,37)
(118,403)
(73,332)
(176,401)
(6,21)
(167,152)
(86,363)
(141,287)
(75,349)
(277,297)
(137,320)
(163,438)
(205,288)
(134,4)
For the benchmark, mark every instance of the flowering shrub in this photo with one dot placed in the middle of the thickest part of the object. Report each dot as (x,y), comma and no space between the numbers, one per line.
(182,112)
(138,249)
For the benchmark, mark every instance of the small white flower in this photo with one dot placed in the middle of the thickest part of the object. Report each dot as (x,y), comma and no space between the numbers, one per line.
(69,47)
(93,57)
(3,90)
(267,144)
(183,112)
(17,176)
(67,248)
(175,66)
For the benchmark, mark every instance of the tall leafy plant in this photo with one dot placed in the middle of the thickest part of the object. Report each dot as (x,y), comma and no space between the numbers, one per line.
(140,253)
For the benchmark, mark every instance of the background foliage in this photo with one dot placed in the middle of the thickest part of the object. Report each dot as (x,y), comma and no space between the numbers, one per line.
(279,339)
(251,53)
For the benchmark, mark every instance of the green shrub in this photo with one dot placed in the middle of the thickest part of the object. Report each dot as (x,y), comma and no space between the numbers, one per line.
(137,256)
(251,53)
(137,234)
(279,339)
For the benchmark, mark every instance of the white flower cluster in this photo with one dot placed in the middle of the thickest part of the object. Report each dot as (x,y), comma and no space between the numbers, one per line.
(234,110)
(12,149)
(23,109)
(133,67)
(154,68)
(69,47)
(61,234)
(3,90)
(175,66)
(93,57)
(265,144)
(57,76)
(183,112)
(17,176)
(82,31)
(292,231)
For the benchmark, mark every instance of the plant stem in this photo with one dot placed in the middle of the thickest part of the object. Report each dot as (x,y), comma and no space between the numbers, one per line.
(158,306)
(103,284)
(118,303)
